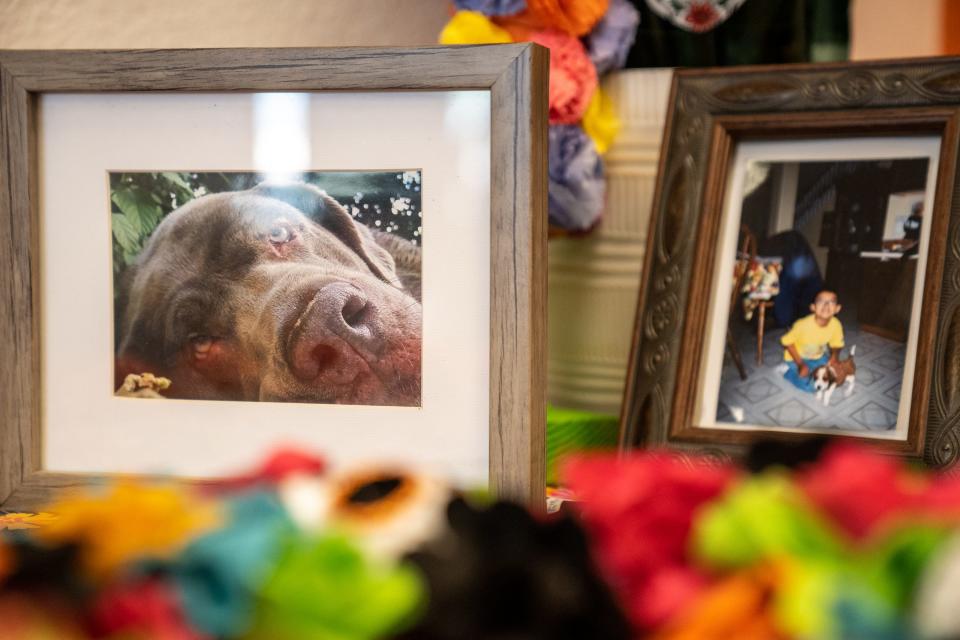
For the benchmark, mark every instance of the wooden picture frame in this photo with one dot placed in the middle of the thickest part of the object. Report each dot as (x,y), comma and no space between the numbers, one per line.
(515,77)
(714,111)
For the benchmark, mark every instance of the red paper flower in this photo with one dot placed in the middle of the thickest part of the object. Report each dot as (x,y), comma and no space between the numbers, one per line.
(639,511)
(865,492)
(281,464)
(573,78)
(702,16)
(147,609)
(37,616)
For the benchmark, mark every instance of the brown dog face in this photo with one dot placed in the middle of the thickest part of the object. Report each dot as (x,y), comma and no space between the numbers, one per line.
(271,294)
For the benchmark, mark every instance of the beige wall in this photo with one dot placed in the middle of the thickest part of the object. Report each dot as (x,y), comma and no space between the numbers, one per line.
(111,24)
(880,28)
(896,28)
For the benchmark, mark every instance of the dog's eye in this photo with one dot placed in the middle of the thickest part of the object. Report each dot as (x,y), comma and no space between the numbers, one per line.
(280,233)
(201,346)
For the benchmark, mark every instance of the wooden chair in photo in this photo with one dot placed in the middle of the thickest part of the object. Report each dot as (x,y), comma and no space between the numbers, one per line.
(746,252)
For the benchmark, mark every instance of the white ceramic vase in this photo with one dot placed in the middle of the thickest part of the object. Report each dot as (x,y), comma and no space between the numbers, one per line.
(594,280)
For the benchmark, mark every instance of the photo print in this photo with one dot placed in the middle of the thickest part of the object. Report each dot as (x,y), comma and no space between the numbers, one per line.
(822,268)
(232,286)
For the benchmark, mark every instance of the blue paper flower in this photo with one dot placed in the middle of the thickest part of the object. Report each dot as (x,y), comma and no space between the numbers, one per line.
(577,186)
(219,573)
(610,41)
(492,7)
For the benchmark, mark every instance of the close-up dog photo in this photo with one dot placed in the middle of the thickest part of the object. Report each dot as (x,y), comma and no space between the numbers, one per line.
(233,286)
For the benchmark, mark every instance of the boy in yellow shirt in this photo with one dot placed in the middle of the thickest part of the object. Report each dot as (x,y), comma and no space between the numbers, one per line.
(813,341)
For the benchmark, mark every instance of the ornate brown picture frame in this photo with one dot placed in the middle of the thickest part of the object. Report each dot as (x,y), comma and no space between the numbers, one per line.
(515,79)
(717,117)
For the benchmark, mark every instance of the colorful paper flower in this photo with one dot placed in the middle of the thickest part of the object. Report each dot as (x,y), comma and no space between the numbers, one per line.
(325,588)
(492,7)
(217,576)
(386,511)
(736,608)
(38,617)
(760,518)
(610,41)
(639,511)
(573,79)
(140,609)
(576,187)
(278,466)
(572,17)
(500,573)
(471,27)
(866,492)
(14,521)
(600,122)
(125,522)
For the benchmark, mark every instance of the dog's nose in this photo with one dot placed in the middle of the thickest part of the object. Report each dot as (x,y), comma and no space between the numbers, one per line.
(348,313)
(338,325)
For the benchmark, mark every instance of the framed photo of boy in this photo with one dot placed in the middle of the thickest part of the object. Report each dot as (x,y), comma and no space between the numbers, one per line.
(803,265)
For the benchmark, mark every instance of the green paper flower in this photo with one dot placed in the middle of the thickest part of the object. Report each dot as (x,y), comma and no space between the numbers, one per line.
(763,517)
(325,589)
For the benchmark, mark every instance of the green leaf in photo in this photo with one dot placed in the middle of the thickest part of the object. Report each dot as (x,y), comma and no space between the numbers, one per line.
(126,201)
(125,234)
(177,178)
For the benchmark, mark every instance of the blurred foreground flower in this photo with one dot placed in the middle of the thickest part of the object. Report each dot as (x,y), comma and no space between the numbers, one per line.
(736,608)
(146,609)
(867,493)
(500,573)
(639,511)
(127,521)
(325,588)
(218,575)
(13,521)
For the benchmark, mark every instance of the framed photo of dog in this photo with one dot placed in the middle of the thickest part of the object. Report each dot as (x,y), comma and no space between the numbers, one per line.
(211,253)
(803,264)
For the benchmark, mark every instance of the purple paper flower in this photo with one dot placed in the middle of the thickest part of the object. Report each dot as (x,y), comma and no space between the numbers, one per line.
(577,186)
(610,41)
(492,7)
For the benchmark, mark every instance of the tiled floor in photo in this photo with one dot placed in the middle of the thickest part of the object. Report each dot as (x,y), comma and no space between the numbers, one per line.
(765,398)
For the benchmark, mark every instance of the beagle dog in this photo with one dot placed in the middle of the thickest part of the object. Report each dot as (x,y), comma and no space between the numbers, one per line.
(828,377)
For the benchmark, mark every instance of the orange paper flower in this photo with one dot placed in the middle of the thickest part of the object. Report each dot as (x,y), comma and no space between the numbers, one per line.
(573,17)
(737,608)
(573,78)
(11,521)
(127,521)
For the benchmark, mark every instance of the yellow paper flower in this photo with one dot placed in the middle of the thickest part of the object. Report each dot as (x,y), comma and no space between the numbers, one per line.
(11,521)
(600,122)
(128,521)
(471,27)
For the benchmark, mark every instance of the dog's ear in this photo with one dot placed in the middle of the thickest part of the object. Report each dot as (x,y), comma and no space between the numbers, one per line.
(330,214)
